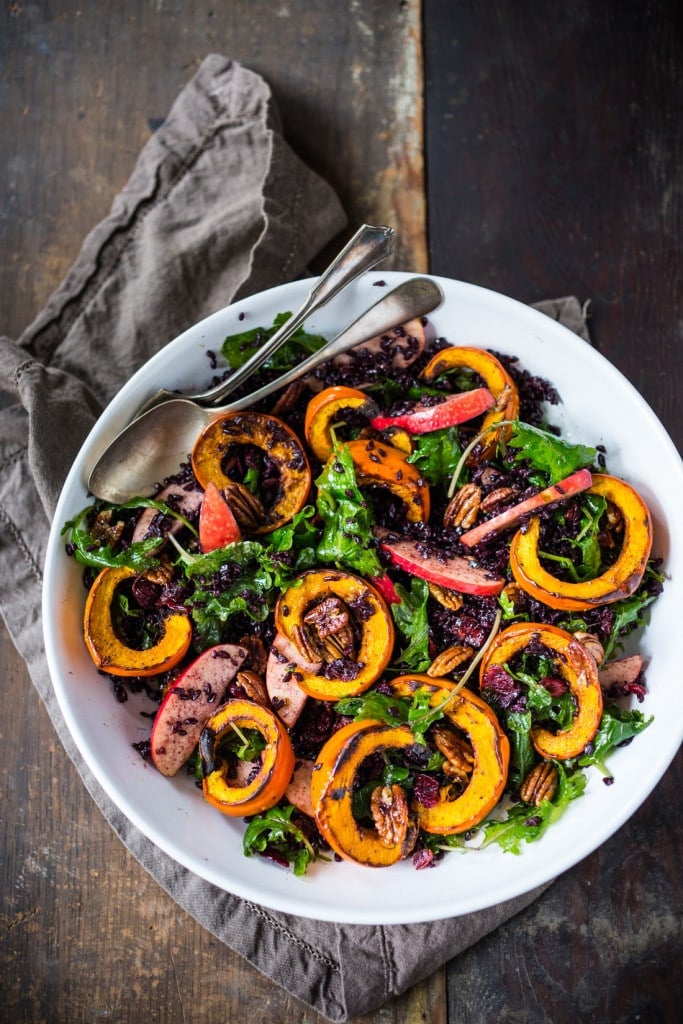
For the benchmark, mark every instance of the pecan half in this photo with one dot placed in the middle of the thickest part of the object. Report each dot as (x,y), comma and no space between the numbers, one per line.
(389,808)
(501,496)
(458,753)
(450,659)
(247,508)
(163,573)
(290,398)
(450,599)
(540,784)
(462,510)
(307,644)
(104,531)
(329,629)
(591,644)
(257,658)
(253,686)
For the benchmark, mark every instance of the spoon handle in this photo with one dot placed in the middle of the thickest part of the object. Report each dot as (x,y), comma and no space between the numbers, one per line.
(413,298)
(369,246)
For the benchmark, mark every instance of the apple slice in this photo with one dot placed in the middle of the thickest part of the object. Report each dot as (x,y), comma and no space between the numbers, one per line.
(455,573)
(425,418)
(405,344)
(386,587)
(623,671)
(189,703)
(567,488)
(217,524)
(186,501)
(298,791)
(286,696)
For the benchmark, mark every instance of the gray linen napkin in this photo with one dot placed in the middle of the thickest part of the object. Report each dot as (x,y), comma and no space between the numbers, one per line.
(218,206)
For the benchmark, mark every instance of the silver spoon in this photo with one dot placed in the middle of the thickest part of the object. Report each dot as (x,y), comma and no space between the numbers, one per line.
(368,247)
(154,444)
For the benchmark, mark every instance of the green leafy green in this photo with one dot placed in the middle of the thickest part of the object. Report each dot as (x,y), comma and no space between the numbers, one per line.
(275,830)
(412,622)
(237,348)
(549,453)
(417,713)
(90,550)
(629,613)
(527,824)
(518,727)
(244,577)
(617,726)
(436,455)
(347,539)
(246,744)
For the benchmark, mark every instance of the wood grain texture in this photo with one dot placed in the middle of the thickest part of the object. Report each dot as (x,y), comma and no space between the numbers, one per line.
(85,933)
(561,132)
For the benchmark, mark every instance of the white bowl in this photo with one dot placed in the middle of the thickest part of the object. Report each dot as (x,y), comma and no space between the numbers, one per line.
(599,406)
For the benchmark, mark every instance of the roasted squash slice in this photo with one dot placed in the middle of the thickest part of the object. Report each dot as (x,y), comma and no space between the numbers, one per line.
(574,665)
(344,623)
(272,777)
(383,465)
(276,440)
(323,408)
(109,653)
(620,580)
(332,785)
(491,756)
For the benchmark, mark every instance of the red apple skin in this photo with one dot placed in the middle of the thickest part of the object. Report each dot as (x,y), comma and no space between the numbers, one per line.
(189,703)
(563,489)
(386,587)
(217,524)
(425,418)
(454,573)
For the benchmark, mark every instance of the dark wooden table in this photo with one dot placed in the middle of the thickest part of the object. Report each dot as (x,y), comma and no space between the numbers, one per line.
(532,148)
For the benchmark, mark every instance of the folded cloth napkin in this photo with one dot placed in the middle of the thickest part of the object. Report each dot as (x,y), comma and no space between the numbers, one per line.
(217,207)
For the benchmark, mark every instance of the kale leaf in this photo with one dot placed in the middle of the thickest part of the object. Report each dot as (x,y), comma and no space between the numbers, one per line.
(274,830)
(412,621)
(436,455)
(549,453)
(237,348)
(347,539)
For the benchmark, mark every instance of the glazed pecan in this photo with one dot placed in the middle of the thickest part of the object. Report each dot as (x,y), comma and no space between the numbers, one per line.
(459,755)
(247,508)
(450,599)
(450,659)
(591,644)
(501,496)
(253,686)
(463,508)
(307,643)
(329,628)
(389,809)
(104,531)
(257,656)
(540,784)
(163,573)
(290,398)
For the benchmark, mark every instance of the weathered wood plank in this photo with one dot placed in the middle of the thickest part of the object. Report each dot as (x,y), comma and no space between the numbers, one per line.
(85,934)
(561,136)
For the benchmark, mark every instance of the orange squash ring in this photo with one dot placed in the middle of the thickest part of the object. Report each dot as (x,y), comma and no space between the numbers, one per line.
(620,580)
